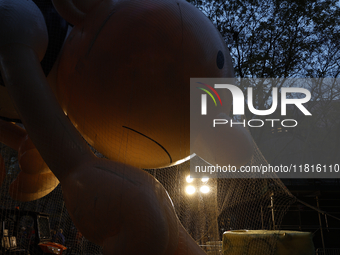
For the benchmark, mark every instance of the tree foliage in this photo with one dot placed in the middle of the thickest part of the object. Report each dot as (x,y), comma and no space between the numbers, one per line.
(286,39)
(279,39)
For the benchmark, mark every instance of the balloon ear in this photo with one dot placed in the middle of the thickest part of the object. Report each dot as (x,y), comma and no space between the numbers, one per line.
(21,22)
(69,11)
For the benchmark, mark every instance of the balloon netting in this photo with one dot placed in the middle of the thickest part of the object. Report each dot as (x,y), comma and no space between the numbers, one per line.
(230,204)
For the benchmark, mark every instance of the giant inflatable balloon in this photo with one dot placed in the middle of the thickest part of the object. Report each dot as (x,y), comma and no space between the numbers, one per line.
(123,81)
(124,75)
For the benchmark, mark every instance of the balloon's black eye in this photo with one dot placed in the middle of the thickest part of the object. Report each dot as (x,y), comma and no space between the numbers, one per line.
(220,59)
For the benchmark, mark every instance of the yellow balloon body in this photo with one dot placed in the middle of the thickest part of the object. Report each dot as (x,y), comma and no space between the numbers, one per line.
(124,76)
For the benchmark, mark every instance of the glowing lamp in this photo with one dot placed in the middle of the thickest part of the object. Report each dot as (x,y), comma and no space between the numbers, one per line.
(190,190)
(188,179)
(205,189)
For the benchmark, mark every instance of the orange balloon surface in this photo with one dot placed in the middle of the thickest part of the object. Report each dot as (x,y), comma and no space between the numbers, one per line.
(35,179)
(124,76)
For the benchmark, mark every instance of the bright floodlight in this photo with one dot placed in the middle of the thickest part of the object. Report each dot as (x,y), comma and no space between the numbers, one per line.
(205,179)
(190,190)
(189,180)
(205,189)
